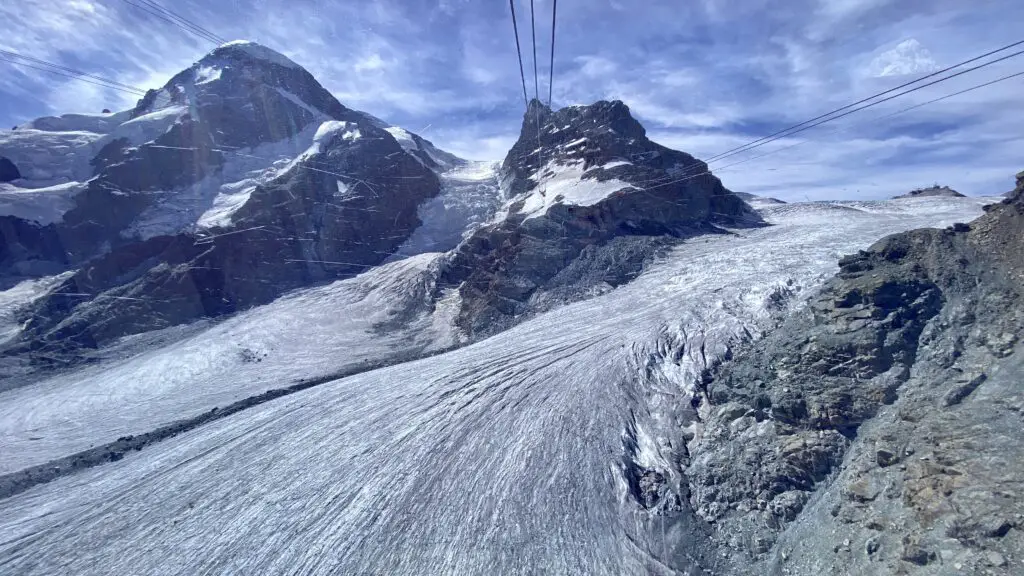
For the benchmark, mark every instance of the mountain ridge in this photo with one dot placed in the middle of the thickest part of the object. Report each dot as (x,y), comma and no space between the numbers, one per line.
(176,225)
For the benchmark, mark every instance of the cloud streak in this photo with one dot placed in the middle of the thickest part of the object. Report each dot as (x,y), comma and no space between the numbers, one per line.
(703,76)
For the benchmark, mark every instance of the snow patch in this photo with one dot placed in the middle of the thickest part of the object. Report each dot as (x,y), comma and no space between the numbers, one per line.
(469,196)
(610,165)
(42,205)
(327,129)
(98,123)
(318,114)
(404,138)
(148,127)
(46,158)
(207,74)
(565,184)
(17,298)
(344,191)
(225,204)
(214,200)
(260,52)
(162,99)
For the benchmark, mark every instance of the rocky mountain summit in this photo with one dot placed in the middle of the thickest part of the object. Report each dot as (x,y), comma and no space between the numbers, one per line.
(238,180)
(877,430)
(590,199)
(930,191)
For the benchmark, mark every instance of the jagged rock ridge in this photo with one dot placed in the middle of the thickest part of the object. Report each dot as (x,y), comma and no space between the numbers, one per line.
(178,226)
(590,199)
(935,190)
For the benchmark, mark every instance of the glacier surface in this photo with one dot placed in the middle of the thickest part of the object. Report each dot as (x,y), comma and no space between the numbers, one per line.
(505,456)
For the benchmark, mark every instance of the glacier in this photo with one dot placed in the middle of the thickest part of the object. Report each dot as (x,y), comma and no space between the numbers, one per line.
(507,455)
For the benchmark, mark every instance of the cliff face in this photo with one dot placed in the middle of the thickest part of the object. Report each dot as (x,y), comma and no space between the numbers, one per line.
(590,199)
(878,430)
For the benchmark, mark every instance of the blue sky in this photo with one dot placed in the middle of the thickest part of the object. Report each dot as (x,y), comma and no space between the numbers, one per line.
(703,76)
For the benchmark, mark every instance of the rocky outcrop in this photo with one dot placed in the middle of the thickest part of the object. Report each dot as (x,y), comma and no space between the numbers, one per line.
(935,190)
(591,198)
(757,199)
(877,430)
(8,171)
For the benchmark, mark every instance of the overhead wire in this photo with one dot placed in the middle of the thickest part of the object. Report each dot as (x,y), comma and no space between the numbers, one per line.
(519,52)
(165,17)
(533,32)
(875,103)
(896,113)
(791,146)
(536,96)
(551,66)
(862,101)
(69,70)
(184,21)
(73,74)
(825,118)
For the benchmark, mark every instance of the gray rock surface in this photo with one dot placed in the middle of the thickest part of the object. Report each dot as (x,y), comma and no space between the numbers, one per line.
(935,190)
(878,431)
(529,260)
(8,171)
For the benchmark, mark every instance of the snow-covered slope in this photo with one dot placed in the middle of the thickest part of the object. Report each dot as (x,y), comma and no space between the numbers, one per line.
(565,184)
(14,299)
(96,123)
(45,158)
(518,454)
(380,315)
(470,195)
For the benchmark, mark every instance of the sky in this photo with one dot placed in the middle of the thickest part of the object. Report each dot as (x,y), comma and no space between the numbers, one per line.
(702,76)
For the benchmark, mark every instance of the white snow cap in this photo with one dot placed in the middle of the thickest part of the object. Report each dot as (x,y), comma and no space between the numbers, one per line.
(261,52)
(565,184)
(329,128)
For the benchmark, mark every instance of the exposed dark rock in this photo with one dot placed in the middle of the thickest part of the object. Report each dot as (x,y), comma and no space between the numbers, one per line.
(935,190)
(961,390)
(547,249)
(8,171)
(891,410)
(916,555)
(29,249)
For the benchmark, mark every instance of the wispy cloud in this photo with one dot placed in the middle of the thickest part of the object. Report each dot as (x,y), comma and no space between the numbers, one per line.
(907,58)
(702,76)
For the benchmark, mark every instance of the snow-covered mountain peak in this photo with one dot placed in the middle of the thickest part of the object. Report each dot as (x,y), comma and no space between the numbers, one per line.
(245,82)
(585,155)
(242,159)
(250,50)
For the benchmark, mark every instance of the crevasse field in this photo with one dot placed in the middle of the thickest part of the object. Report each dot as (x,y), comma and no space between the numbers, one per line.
(505,456)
